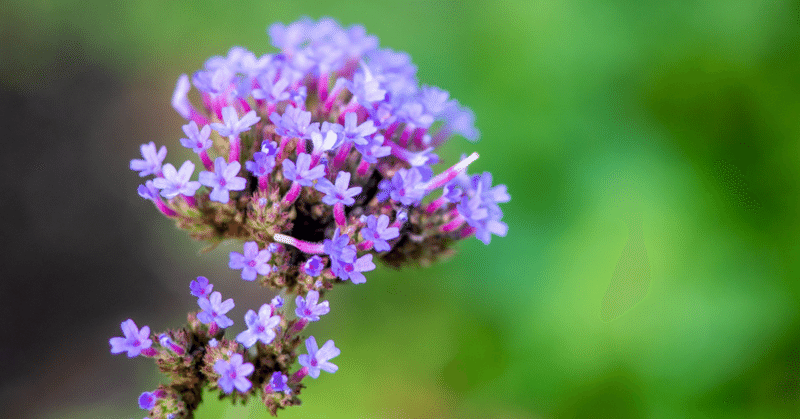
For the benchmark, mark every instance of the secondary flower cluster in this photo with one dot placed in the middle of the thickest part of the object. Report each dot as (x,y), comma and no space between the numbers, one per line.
(320,159)
(257,362)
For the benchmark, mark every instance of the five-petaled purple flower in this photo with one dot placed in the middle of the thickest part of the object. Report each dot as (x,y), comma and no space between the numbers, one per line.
(358,134)
(259,327)
(308,308)
(313,266)
(198,139)
(318,358)
(278,382)
(378,231)
(200,287)
(233,373)
(223,179)
(347,265)
(134,342)
(302,172)
(252,262)
(232,124)
(151,165)
(294,122)
(214,310)
(339,192)
(176,182)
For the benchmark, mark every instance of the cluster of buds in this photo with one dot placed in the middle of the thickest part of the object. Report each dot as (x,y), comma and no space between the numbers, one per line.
(319,158)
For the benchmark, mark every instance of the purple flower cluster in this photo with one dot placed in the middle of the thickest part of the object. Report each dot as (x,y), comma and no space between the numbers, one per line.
(320,157)
(230,365)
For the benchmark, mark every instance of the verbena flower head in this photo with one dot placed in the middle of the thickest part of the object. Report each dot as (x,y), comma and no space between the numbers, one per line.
(344,121)
(339,145)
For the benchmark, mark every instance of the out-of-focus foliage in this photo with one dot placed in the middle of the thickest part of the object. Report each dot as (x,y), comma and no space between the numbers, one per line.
(652,152)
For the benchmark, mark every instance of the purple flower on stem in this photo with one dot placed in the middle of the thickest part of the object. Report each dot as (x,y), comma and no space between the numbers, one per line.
(302,172)
(200,287)
(318,358)
(313,266)
(373,149)
(176,182)
(358,134)
(198,140)
(252,262)
(214,310)
(261,165)
(259,327)
(278,382)
(223,179)
(151,165)
(308,309)
(378,231)
(478,207)
(405,187)
(233,373)
(134,342)
(232,125)
(347,265)
(276,302)
(339,192)
(147,400)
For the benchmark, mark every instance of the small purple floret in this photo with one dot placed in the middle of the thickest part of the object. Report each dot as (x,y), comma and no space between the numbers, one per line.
(302,172)
(223,179)
(176,182)
(151,165)
(252,262)
(134,342)
(318,358)
(214,310)
(261,165)
(278,381)
(198,140)
(147,400)
(233,373)
(339,192)
(200,287)
(308,308)
(313,266)
(232,125)
(260,327)
(378,231)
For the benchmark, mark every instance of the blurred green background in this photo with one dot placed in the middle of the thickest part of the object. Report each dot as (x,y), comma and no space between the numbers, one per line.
(651,152)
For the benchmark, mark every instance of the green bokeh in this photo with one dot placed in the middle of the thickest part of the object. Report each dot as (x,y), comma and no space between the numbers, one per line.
(665,126)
